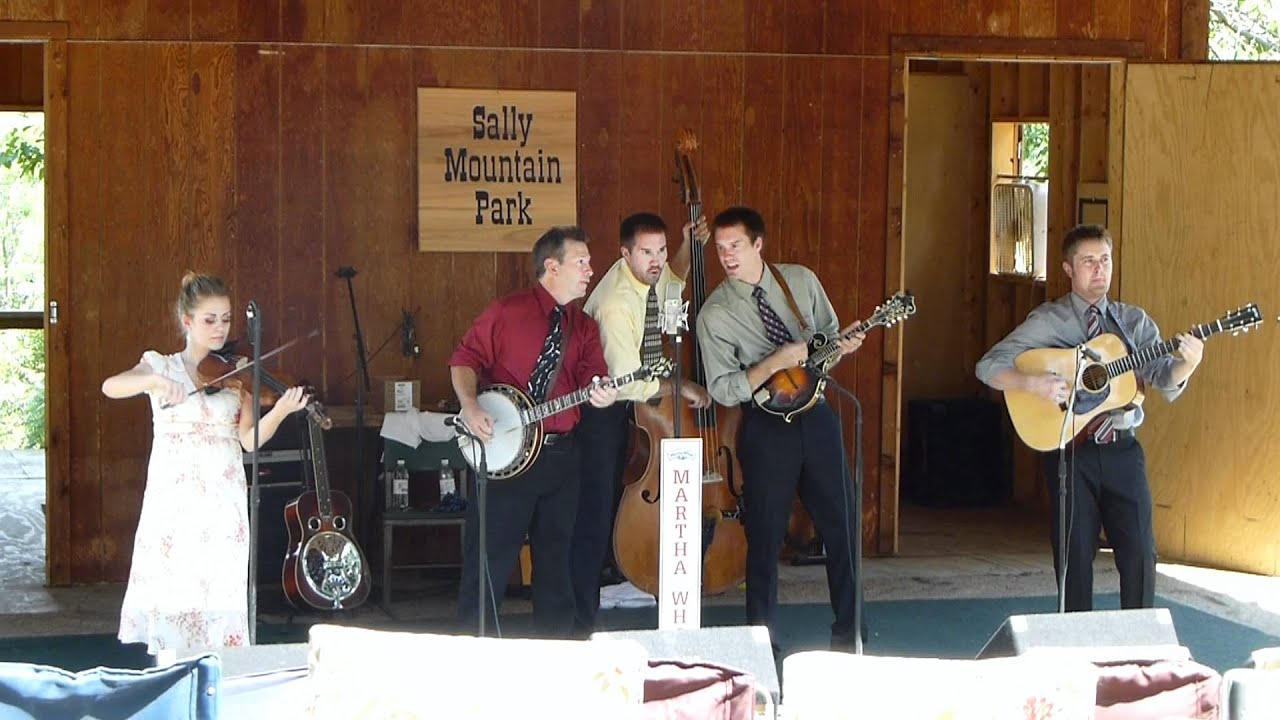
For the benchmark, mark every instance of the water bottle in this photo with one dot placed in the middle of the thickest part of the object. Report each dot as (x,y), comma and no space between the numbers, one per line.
(400,486)
(448,483)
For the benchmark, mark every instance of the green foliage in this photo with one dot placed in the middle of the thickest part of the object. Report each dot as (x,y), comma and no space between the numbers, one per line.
(1244,30)
(1035,149)
(22,352)
(23,149)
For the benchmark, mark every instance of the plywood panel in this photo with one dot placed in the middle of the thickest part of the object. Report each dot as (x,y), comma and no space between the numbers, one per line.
(802,164)
(942,119)
(1190,216)
(879,269)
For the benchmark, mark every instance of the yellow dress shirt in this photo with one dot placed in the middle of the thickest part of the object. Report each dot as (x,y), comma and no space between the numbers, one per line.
(618,304)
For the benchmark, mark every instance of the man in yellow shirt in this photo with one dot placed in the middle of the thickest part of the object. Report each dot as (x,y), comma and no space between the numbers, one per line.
(626,305)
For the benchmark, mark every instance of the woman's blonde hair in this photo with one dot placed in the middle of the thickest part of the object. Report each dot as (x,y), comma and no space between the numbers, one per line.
(196,287)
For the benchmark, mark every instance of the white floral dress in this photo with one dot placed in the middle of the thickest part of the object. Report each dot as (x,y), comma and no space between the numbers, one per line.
(188,584)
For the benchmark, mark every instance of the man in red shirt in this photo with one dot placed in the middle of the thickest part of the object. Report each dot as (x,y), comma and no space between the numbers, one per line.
(541,342)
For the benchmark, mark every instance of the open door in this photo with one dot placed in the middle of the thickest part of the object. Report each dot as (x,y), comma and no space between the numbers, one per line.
(1201,210)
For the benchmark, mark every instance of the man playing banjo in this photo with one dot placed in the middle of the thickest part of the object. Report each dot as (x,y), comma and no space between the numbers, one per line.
(537,340)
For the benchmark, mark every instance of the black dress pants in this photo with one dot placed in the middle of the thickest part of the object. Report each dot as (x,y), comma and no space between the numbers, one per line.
(1107,490)
(602,434)
(778,460)
(542,502)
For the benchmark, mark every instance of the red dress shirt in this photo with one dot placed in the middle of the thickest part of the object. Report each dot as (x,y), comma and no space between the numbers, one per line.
(503,345)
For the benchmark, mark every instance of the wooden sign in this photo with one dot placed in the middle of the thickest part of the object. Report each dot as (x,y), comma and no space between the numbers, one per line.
(496,168)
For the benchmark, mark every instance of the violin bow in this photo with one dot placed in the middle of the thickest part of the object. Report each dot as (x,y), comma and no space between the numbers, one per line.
(249,364)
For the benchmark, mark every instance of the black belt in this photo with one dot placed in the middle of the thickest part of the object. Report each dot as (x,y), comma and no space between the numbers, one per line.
(1116,435)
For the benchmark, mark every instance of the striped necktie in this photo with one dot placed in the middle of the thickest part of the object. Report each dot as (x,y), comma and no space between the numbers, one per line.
(1101,426)
(774,328)
(651,346)
(547,359)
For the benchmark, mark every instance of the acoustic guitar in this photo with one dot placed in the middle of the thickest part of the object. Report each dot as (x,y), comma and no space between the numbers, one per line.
(517,422)
(791,391)
(1106,379)
(323,567)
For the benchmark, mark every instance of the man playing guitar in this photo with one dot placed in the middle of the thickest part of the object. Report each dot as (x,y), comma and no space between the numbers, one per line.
(1108,484)
(539,340)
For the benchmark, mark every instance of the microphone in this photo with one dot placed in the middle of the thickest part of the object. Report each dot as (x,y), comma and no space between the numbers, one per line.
(674,313)
(452,421)
(1089,353)
(251,315)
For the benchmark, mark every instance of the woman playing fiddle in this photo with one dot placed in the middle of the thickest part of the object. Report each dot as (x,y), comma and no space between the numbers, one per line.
(188,582)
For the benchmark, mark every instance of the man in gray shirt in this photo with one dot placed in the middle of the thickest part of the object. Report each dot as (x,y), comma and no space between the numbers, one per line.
(1107,486)
(747,331)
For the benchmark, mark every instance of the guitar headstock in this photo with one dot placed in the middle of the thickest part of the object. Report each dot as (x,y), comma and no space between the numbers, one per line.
(894,310)
(659,370)
(1242,319)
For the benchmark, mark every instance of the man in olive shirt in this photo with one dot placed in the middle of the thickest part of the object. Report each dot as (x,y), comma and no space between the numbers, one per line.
(1108,487)
(747,331)
(626,304)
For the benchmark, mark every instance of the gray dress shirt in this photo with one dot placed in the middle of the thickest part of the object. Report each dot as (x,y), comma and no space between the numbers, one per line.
(1061,324)
(731,334)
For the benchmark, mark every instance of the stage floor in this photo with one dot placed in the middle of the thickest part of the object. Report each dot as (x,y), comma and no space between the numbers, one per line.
(943,554)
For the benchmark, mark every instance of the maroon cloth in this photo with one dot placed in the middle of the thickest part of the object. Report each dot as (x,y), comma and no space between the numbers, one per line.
(1157,690)
(503,345)
(677,690)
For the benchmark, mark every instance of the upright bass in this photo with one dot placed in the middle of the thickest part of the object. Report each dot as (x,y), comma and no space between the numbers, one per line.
(635,534)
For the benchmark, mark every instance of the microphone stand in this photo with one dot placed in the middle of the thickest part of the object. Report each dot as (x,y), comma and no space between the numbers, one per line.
(255,340)
(1063,437)
(855,541)
(362,386)
(482,483)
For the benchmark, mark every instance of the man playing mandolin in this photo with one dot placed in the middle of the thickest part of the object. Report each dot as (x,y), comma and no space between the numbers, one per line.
(1108,482)
(754,324)
(541,342)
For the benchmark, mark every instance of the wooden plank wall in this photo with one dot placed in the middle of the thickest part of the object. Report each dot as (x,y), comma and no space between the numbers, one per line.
(271,141)
(21,76)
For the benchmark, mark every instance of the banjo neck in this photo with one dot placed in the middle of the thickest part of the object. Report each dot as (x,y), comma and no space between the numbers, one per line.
(542,411)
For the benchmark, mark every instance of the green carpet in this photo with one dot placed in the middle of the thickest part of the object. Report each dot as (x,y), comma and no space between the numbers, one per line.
(919,628)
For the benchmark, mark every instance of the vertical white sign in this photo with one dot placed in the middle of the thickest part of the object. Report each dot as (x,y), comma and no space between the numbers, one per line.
(680,535)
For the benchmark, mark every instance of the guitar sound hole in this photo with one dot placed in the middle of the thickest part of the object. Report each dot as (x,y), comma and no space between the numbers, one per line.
(1095,378)
(313,524)
(339,523)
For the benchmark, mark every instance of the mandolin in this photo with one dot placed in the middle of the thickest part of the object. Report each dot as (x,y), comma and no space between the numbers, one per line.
(792,391)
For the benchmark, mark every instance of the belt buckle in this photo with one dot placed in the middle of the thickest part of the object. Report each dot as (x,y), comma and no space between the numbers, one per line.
(550,439)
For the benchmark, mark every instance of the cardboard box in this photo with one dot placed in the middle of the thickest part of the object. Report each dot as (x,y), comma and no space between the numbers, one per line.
(399,395)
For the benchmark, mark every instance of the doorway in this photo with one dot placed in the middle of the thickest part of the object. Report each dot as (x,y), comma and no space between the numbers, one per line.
(996,154)
(23,426)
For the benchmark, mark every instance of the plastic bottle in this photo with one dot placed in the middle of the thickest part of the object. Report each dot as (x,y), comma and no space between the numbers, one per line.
(400,486)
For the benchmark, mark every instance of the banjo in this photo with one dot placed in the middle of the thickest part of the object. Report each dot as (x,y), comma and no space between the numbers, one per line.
(517,422)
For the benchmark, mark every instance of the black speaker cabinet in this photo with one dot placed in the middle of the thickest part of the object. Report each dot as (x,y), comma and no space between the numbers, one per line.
(280,480)
(1106,635)
(746,648)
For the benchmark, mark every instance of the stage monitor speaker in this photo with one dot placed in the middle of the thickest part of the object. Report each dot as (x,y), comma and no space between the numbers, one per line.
(1099,636)
(278,485)
(255,659)
(746,648)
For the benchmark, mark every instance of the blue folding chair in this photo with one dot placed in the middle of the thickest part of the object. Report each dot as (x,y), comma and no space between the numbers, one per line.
(188,689)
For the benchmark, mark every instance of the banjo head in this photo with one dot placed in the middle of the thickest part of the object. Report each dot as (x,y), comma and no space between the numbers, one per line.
(514,444)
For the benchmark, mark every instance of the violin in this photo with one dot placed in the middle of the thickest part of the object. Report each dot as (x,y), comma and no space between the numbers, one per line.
(224,370)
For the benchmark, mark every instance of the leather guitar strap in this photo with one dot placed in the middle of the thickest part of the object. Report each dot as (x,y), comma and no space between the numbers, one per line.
(791,299)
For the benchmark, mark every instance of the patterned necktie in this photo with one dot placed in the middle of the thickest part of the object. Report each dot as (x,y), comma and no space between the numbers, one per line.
(651,346)
(774,328)
(1101,426)
(547,359)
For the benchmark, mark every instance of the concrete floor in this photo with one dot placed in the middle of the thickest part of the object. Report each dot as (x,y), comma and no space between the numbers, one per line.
(943,554)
